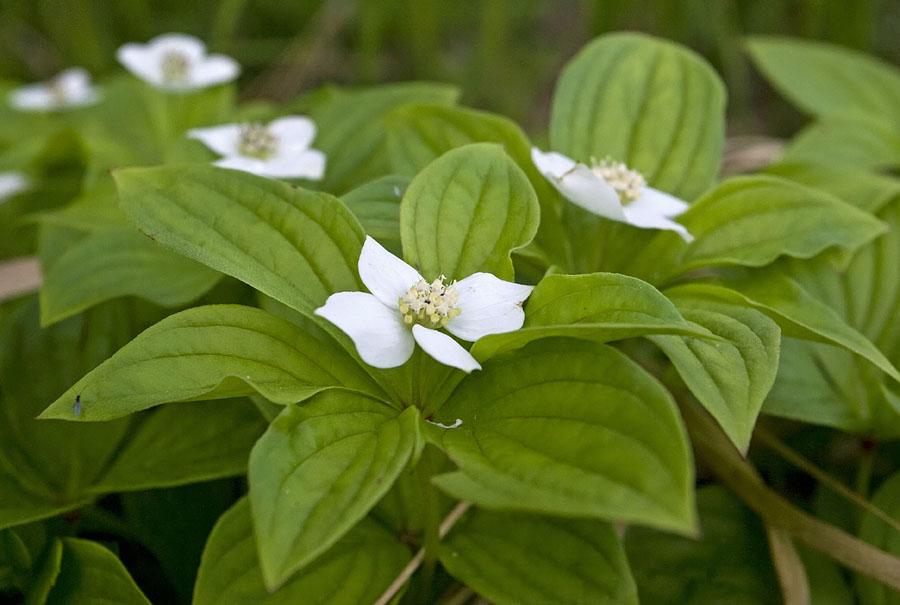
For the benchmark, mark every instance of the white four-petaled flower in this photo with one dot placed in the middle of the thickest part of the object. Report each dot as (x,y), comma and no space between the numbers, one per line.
(403,309)
(280,150)
(12,183)
(68,89)
(177,62)
(609,189)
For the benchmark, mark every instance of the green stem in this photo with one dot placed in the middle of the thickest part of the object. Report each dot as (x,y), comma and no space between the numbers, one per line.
(431,521)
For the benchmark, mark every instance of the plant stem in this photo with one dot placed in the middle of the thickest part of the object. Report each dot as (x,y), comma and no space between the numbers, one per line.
(431,519)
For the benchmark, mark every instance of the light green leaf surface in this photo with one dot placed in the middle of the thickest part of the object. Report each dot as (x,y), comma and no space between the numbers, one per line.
(92,574)
(866,190)
(846,142)
(295,245)
(730,377)
(466,211)
(513,558)
(655,105)
(877,532)
(377,207)
(599,306)
(211,352)
(355,570)
(826,79)
(115,263)
(318,470)
(571,428)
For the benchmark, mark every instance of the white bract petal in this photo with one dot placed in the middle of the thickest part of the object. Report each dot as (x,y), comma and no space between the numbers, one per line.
(177,62)
(305,164)
(611,190)
(488,305)
(12,183)
(68,89)
(444,349)
(386,276)
(380,336)
(223,139)
(294,132)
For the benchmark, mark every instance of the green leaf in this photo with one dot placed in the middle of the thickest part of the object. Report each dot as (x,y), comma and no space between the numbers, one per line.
(377,206)
(185,444)
(44,579)
(599,306)
(211,352)
(295,245)
(466,211)
(731,378)
(826,79)
(318,470)
(569,428)
(352,133)
(729,564)
(752,221)
(92,574)
(846,142)
(866,190)
(877,532)
(19,504)
(118,263)
(516,558)
(355,570)
(652,104)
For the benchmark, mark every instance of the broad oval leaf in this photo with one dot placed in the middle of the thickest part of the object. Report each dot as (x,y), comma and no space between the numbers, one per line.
(295,245)
(466,211)
(598,306)
(355,570)
(877,532)
(652,104)
(571,428)
(318,470)
(115,263)
(826,79)
(732,376)
(516,558)
(211,352)
(377,206)
(92,574)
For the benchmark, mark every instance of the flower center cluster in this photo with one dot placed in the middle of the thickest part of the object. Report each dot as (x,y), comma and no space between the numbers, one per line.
(256,141)
(175,66)
(627,183)
(431,305)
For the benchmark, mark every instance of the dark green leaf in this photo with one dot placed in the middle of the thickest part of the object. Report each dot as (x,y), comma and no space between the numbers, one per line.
(377,206)
(92,574)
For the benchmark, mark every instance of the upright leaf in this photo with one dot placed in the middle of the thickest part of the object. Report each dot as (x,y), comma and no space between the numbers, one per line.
(877,532)
(295,245)
(92,574)
(377,206)
(318,470)
(846,141)
(466,211)
(655,105)
(569,428)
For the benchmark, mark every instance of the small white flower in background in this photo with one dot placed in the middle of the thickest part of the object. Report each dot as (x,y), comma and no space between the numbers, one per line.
(609,189)
(12,183)
(177,62)
(279,150)
(403,309)
(68,89)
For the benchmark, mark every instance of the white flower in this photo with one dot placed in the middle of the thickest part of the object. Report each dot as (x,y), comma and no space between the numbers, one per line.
(404,309)
(12,183)
(609,189)
(70,88)
(177,62)
(280,150)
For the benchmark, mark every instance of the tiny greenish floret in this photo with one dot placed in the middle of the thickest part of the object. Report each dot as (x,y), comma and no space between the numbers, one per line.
(431,305)
(257,141)
(628,183)
(175,66)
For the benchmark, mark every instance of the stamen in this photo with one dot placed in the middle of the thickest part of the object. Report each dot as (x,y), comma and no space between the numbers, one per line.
(175,67)
(627,183)
(431,305)
(257,142)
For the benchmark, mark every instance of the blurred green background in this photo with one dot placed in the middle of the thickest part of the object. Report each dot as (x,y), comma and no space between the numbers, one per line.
(505,54)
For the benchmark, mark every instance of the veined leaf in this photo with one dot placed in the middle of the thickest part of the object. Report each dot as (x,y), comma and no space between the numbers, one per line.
(569,428)
(377,206)
(866,190)
(732,376)
(598,306)
(211,352)
(355,570)
(318,470)
(852,142)
(652,104)
(516,558)
(295,245)
(92,574)
(466,211)
(826,79)
(115,263)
